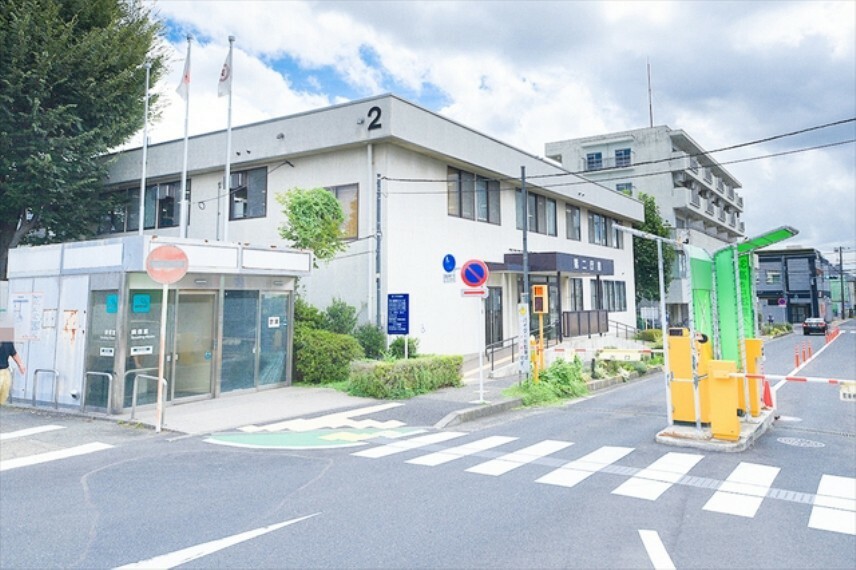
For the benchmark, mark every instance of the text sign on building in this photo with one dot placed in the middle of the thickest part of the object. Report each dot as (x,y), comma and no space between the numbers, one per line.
(166,264)
(398,313)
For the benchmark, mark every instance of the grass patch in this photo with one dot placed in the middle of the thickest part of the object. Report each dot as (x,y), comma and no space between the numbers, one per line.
(559,382)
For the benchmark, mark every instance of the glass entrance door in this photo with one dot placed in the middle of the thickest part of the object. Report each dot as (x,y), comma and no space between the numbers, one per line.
(194,344)
(493,315)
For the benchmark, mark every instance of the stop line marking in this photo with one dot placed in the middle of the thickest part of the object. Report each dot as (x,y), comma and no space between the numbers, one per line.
(53,455)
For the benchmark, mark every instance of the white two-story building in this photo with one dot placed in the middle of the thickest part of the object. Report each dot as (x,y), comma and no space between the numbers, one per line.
(415,188)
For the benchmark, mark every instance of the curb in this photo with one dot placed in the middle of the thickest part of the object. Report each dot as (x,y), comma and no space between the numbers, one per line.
(474,413)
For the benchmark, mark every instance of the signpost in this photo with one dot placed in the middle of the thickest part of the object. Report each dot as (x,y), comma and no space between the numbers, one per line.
(474,274)
(165,265)
(398,316)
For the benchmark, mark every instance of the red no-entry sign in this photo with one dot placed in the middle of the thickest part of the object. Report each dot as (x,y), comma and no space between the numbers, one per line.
(167,264)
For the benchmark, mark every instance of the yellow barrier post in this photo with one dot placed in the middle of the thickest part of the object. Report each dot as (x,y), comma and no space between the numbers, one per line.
(754,359)
(722,391)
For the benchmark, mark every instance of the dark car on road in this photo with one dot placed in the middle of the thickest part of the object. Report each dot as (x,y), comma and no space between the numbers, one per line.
(814,325)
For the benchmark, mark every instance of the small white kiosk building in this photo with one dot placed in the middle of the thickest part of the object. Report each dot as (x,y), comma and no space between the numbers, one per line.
(87,320)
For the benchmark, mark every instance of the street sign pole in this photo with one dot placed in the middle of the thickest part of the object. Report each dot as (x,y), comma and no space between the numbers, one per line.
(161,351)
(481,356)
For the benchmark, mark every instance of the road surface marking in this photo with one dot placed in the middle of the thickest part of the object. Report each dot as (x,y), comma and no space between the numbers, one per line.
(793,372)
(186,555)
(743,490)
(52,455)
(335,420)
(656,479)
(28,432)
(452,453)
(572,473)
(408,444)
(835,505)
(504,464)
(656,551)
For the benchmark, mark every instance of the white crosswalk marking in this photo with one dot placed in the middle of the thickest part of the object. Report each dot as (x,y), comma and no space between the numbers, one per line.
(53,455)
(572,473)
(656,479)
(28,432)
(744,489)
(440,457)
(406,445)
(504,464)
(835,505)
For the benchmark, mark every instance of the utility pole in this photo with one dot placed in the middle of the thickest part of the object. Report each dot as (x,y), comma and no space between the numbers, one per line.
(841,278)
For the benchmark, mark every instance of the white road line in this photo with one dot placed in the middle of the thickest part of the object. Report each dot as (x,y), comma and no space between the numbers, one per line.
(743,490)
(408,444)
(835,505)
(28,432)
(334,420)
(53,455)
(656,479)
(793,372)
(572,473)
(440,457)
(656,551)
(504,464)
(186,555)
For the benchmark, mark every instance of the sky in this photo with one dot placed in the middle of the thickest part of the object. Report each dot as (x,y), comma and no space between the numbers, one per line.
(532,72)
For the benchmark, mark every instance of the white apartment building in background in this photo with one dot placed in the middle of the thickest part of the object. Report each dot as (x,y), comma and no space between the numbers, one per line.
(415,187)
(695,194)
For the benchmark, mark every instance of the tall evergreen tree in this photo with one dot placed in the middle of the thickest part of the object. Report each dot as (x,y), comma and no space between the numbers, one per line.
(645,253)
(72,87)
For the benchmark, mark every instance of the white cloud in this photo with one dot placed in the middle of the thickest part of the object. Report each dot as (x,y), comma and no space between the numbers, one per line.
(532,72)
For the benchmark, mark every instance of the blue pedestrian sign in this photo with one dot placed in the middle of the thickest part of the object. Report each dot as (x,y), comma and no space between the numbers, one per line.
(449,263)
(398,313)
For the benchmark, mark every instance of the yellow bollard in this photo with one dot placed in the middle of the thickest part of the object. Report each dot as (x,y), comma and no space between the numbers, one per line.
(722,390)
(754,359)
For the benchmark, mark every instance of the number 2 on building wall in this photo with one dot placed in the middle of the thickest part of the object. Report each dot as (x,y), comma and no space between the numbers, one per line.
(374,115)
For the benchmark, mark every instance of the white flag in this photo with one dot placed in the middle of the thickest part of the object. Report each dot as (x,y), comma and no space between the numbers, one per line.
(184,86)
(225,85)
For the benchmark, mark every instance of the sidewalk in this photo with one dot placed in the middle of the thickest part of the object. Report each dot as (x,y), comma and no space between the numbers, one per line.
(439,409)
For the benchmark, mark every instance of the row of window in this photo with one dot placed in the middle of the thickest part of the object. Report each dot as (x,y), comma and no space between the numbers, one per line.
(621,158)
(247,199)
(472,196)
(613,295)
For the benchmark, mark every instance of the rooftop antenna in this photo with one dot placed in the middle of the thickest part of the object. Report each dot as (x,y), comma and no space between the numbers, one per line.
(650,104)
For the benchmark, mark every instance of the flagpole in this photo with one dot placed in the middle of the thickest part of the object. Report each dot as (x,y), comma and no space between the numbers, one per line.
(228,185)
(184,204)
(142,208)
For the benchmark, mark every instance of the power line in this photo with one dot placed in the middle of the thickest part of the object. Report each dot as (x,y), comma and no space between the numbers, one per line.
(622,178)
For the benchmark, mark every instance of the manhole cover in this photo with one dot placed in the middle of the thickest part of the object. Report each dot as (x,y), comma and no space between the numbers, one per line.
(800,442)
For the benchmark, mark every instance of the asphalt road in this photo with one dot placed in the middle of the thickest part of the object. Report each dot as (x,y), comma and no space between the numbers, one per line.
(632,504)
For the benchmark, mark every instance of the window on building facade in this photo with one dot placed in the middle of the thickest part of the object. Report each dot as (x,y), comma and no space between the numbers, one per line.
(773,277)
(573,222)
(248,191)
(348,196)
(613,295)
(575,286)
(162,208)
(603,231)
(624,188)
(594,161)
(472,196)
(622,157)
(542,213)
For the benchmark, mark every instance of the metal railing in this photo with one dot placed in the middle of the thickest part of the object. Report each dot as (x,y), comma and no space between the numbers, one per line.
(622,330)
(500,346)
(55,374)
(134,396)
(86,376)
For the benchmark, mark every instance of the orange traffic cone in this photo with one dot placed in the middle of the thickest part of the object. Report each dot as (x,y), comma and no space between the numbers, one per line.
(768,397)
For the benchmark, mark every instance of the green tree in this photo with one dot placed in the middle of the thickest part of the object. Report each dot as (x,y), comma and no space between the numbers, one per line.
(645,253)
(72,87)
(313,221)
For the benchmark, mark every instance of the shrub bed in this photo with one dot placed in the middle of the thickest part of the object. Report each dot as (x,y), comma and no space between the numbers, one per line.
(322,356)
(399,379)
(559,381)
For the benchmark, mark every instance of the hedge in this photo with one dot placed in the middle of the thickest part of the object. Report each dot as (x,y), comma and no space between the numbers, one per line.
(401,379)
(322,356)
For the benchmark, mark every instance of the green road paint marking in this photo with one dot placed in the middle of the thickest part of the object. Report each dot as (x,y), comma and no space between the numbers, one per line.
(315,439)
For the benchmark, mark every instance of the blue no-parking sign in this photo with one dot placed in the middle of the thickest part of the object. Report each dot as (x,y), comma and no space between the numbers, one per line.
(474,273)
(398,313)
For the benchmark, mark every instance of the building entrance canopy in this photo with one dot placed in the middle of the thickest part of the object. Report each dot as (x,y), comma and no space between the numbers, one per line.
(553,262)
